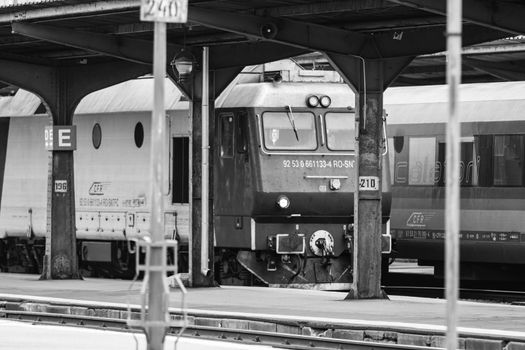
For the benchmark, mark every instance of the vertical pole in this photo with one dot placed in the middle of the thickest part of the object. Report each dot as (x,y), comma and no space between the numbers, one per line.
(156,306)
(205,164)
(452,203)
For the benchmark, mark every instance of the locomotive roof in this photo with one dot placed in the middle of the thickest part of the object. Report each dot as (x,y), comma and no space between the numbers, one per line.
(284,94)
(131,96)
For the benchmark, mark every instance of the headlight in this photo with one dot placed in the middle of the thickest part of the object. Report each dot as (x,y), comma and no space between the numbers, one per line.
(335,184)
(325,101)
(283,202)
(312,101)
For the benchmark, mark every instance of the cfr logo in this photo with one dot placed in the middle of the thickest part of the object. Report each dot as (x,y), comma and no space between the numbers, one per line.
(97,188)
(419,219)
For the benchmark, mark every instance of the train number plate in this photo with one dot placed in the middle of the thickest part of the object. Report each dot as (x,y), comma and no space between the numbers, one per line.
(368,183)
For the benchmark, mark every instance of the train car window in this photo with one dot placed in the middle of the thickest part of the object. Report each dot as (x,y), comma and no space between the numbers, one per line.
(181,169)
(242,133)
(391,159)
(139,134)
(484,145)
(226,132)
(399,152)
(468,165)
(96,135)
(340,131)
(422,161)
(289,131)
(508,160)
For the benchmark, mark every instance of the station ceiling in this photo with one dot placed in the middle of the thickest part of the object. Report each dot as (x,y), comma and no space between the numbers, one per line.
(79,32)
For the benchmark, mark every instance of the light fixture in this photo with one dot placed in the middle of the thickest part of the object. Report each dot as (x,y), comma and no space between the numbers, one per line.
(283,202)
(182,64)
(325,101)
(312,101)
(335,184)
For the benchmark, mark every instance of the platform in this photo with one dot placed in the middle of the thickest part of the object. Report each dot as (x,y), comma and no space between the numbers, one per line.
(421,321)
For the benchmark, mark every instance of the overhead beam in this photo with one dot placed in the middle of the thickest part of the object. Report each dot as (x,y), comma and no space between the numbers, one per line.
(324,8)
(424,41)
(140,51)
(316,37)
(510,71)
(134,50)
(68,10)
(294,33)
(505,16)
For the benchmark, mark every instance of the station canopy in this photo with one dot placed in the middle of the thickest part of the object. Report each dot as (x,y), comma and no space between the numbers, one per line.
(242,33)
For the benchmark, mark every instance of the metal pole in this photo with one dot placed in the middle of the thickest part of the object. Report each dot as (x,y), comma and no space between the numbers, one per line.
(452,203)
(156,305)
(205,164)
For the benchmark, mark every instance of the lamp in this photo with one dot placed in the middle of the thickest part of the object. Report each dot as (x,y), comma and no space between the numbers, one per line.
(182,64)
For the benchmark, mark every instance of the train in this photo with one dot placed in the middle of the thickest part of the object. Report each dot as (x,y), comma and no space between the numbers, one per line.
(283,179)
(111,183)
(492,197)
(284,176)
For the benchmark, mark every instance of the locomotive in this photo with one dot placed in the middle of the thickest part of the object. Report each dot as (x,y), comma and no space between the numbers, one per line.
(284,179)
(284,183)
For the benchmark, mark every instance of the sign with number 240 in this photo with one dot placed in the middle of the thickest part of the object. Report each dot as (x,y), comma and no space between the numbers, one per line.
(173,11)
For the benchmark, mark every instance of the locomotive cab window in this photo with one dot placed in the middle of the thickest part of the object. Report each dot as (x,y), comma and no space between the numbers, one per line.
(340,131)
(226,132)
(289,131)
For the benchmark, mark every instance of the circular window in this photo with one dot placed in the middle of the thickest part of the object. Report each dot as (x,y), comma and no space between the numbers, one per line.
(96,135)
(139,134)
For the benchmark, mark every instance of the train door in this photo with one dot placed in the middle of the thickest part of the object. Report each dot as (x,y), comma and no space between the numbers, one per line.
(177,217)
(232,181)
(177,220)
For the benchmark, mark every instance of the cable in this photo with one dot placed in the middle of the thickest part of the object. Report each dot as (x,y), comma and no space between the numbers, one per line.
(364,89)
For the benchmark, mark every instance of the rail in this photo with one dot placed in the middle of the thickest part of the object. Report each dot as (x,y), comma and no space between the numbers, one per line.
(244,336)
(249,329)
(492,295)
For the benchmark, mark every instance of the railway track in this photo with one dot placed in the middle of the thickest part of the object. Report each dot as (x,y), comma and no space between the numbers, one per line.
(426,286)
(240,336)
(486,295)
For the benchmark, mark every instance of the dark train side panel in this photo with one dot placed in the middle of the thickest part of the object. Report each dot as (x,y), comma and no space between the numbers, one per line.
(418,220)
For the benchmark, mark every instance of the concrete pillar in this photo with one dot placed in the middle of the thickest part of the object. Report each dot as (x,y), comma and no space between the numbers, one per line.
(367,210)
(368,78)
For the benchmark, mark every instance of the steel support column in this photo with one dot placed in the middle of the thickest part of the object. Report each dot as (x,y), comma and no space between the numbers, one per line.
(368,78)
(61,89)
(223,77)
(197,279)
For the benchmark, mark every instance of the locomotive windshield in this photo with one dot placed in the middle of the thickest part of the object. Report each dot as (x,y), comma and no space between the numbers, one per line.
(283,131)
(340,131)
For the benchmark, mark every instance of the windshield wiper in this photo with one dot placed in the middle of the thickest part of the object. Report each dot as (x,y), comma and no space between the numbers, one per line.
(292,121)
